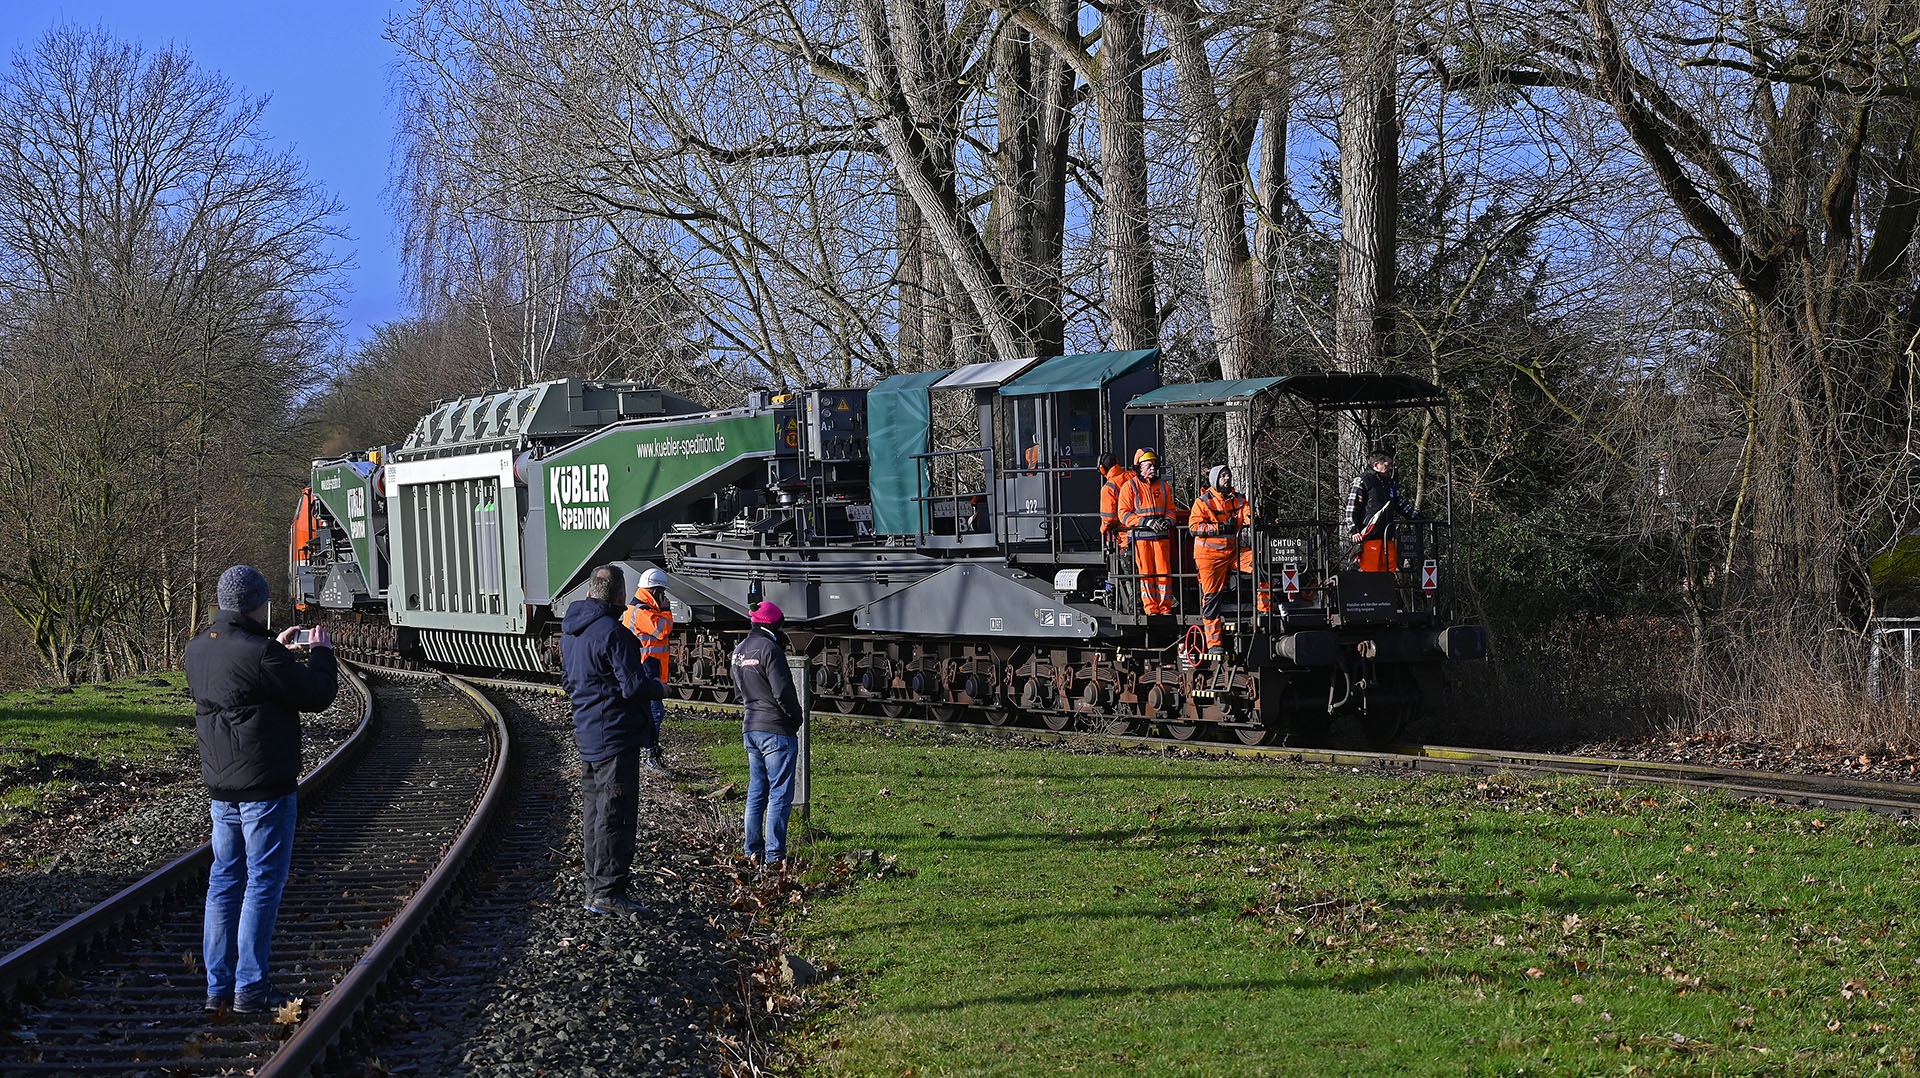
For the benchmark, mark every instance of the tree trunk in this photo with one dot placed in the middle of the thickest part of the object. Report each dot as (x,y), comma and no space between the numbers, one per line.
(932,189)
(1369,180)
(1270,232)
(910,297)
(1120,96)
(1220,146)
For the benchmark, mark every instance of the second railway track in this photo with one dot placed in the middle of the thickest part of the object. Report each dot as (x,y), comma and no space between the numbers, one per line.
(118,990)
(1807,790)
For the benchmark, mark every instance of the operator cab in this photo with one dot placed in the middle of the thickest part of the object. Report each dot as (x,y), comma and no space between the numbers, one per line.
(1000,457)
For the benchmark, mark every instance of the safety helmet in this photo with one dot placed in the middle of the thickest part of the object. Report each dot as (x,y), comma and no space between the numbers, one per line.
(653,578)
(1141,456)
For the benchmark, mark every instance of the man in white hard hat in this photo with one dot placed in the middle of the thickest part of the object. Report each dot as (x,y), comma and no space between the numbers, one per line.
(650,616)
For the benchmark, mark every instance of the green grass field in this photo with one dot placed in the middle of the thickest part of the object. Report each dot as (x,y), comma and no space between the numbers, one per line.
(1111,915)
(53,741)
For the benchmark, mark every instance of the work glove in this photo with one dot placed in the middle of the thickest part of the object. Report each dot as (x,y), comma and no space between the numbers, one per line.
(1160,526)
(652,667)
(1230,527)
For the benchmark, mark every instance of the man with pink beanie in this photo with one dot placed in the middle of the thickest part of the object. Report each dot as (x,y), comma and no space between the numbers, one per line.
(771,730)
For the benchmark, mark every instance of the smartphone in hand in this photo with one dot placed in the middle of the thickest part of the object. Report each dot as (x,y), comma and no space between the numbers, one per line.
(303,637)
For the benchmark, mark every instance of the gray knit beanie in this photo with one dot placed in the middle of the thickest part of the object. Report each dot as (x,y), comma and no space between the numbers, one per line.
(242,589)
(1213,475)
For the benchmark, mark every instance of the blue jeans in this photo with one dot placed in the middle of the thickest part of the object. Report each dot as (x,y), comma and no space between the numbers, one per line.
(770,762)
(252,850)
(659,716)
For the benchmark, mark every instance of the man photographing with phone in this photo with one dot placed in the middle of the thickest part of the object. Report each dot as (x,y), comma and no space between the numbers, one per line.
(249,689)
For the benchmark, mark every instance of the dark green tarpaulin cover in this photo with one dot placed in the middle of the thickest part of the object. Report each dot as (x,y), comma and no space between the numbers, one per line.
(1064,373)
(1201,394)
(899,419)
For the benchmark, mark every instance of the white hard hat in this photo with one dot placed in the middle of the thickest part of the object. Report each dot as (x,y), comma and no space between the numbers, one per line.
(653,578)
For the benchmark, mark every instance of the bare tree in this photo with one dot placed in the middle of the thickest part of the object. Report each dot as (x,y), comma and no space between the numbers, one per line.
(1780,139)
(164,284)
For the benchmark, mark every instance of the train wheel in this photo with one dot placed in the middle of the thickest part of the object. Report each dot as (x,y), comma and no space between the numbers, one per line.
(999,716)
(1123,720)
(1183,731)
(1384,719)
(1036,698)
(1298,705)
(895,709)
(944,712)
(1256,735)
(1382,727)
(686,690)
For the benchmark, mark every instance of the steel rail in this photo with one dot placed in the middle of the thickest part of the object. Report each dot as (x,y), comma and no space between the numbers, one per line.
(70,938)
(1814,791)
(345,1001)
(342,1006)
(1811,791)
(1672,768)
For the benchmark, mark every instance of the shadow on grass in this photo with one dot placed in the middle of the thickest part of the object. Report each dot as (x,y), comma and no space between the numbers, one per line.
(1347,983)
(37,725)
(1345,828)
(1465,903)
(1111,913)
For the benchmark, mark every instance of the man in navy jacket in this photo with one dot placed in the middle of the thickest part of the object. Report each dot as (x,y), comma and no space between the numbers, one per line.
(610,684)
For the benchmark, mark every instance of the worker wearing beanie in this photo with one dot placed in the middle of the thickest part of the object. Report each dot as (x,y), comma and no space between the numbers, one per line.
(249,688)
(609,684)
(770,727)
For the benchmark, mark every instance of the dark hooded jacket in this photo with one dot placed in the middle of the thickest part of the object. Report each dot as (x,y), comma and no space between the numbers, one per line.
(606,678)
(248,693)
(765,686)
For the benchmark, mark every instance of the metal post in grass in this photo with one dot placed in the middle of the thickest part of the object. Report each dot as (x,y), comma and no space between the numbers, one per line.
(1907,635)
(803,770)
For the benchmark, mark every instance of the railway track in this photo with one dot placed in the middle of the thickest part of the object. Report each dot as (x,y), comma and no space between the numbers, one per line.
(1809,791)
(386,824)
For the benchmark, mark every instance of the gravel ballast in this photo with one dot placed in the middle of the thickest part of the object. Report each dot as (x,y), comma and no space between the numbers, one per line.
(120,832)
(526,981)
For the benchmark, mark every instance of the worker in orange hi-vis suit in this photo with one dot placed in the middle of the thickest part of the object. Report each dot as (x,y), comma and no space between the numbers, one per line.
(1220,522)
(1149,514)
(1112,474)
(650,617)
(1033,456)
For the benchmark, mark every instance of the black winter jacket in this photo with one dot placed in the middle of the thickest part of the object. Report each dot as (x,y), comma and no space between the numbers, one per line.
(1373,492)
(606,678)
(248,693)
(765,685)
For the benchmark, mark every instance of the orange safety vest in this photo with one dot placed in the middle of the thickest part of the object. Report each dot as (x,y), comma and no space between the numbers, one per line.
(1142,501)
(1033,459)
(1210,510)
(1110,499)
(653,626)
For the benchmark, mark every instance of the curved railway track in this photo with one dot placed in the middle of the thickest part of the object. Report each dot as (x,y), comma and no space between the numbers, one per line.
(386,824)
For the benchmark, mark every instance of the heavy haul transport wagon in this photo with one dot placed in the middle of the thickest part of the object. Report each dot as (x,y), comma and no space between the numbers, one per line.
(934,540)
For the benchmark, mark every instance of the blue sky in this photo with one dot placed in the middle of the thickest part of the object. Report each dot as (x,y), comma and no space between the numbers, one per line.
(325,68)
